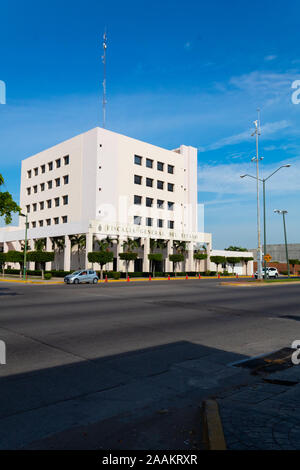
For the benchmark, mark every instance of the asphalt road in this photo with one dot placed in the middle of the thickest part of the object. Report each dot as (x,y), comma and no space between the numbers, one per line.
(126,365)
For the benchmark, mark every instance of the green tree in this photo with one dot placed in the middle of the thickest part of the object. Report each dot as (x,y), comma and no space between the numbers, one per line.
(127,257)
(218,260)
(14,256)
(235,248)
(233,261)
(199,256)
(7,205)
(293,262)
(101,257)
(154,258)
(246,260)
(181,249)
(40,244)
(175,259)
(78,241)
(41,257)
(2,261)
(157,244)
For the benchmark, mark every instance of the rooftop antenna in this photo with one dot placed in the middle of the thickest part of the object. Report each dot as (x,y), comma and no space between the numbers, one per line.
(104,77)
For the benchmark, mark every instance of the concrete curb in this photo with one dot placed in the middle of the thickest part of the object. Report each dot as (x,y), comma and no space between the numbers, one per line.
(258,284)
(213,435)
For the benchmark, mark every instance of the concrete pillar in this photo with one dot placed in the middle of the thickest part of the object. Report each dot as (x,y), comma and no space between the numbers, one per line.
(5,247)
(169,264)
(48,266)
(146,263)
(30,247)
(190,257)
(88,248)
(67,254)
(120,263)
(208,248)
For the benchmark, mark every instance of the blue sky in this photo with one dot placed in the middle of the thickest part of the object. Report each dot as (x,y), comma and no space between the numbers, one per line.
(190,72)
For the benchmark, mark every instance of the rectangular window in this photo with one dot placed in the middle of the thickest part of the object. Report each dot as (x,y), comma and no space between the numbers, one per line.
(171,169)
(66,179)
(137,220)
(49,184)
(66,160)
(29,174)
(149,202)
(28,191)
(149,163)
(49,203)
(64,219)
(137,179)
(170,187)
(149,182)
(28,209)
(33,224)
(65,200)
(137,160)
(36,171)
(43,168)
(58,163)
(41,223)
(42,205)
(160,166)
(149,221)
(160,223)
(160,204)
(50,166)
(170,224)
(42,186)
(48,221)
(56,220)
(56,200)
(170,206)
(138,200)
(160,184)
(34,207)
(57,182)
(35,189)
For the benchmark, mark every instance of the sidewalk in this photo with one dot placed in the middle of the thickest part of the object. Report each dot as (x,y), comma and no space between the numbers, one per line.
(264,416)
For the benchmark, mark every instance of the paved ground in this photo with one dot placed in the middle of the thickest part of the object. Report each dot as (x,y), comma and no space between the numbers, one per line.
(127,365)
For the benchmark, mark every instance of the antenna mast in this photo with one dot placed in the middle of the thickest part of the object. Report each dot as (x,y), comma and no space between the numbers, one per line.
(104,78)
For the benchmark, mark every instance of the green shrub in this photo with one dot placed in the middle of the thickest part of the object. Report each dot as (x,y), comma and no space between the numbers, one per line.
(48,276)
(115,275)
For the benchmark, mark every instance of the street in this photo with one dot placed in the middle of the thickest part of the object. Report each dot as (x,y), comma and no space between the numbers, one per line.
(127,365)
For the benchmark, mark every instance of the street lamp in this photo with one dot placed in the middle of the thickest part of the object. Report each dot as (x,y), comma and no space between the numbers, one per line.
(283,212)
(25,247)
(263,181)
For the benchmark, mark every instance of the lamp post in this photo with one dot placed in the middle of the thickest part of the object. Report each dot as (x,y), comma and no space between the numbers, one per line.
(283,212)
(25,247)
(263,181)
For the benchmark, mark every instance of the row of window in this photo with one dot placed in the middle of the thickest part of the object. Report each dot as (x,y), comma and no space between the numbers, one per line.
(50,165)
(160,204)
(149,164)
(137,220)
(40,223)
(48,204)
(149,182)
(50,184)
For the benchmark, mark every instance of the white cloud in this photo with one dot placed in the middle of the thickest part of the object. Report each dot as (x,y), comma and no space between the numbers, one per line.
(269,58)
(268,129)
(225,178)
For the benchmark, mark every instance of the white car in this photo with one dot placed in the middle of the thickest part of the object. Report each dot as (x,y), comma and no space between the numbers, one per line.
(271,272)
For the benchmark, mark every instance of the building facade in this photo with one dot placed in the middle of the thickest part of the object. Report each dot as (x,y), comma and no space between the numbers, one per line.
(101,184)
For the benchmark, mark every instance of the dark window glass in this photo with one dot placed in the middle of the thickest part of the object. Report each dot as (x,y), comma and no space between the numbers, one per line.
(160,204)
(160,184)
(149,182)
(66,160)
(170,206)
(137,160)
(149,201)
(137,199)
(171,169)
(170,187)
(149,163)
(149,222)
(160,166)
(137,179)
(160,223)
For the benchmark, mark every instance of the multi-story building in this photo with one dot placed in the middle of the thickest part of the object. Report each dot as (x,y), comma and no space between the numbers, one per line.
(101,184)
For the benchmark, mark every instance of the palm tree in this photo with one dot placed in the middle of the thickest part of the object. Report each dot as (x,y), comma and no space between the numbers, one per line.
(59,244)
(158,244)
(128,254)
(181,249)
(40,244)
(130,244)
(80,242)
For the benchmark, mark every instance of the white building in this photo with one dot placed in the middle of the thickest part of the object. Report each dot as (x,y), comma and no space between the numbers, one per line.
(100,184)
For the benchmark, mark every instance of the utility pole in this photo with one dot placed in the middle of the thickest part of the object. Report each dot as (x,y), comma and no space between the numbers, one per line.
(104,78)
(256,159)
